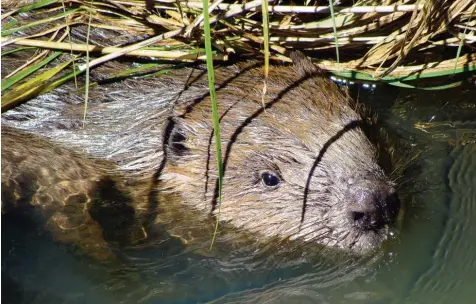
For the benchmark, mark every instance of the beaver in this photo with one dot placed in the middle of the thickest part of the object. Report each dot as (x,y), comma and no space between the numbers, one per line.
(298,167)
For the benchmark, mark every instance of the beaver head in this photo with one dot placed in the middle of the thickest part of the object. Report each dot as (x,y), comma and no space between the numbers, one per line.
(297,167)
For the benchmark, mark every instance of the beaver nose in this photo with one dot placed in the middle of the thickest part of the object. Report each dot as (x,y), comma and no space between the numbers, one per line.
(366,211)
(372,207)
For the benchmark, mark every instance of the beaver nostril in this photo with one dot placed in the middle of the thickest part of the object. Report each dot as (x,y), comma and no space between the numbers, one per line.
(357,216)
(369,220)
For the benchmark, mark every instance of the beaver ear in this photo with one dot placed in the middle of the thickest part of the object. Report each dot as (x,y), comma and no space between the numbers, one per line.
(304,65)
(174,137)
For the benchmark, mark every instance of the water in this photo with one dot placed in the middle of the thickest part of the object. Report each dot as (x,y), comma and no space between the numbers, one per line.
(431,260)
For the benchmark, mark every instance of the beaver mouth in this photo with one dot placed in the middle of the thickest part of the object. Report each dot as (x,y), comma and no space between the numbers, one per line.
(369,221)
(370,229)
(360,235)
(361,240)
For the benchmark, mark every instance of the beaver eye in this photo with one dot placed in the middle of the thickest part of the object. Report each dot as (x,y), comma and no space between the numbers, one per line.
(178,137)
(270,179)
(176,142)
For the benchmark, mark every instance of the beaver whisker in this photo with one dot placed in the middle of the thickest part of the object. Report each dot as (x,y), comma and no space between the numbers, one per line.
(317,238)
(301,228)
(287,237)
(401,184)
(300,246)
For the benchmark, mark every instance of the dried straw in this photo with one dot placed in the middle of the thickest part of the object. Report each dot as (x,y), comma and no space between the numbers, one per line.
(388,40)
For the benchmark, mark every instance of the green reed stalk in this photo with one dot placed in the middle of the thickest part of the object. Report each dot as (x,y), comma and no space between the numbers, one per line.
(70,43)
(31,87)
(86,89)
(5,33)
(331,7)
(35,5)
(265,13)
(28,71)
(216,122)
(460,46)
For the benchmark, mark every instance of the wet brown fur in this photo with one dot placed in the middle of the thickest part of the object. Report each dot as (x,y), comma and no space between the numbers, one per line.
(151,142)
(250,133)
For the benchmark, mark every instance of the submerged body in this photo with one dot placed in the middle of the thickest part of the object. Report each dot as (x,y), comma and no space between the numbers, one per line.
(300,168)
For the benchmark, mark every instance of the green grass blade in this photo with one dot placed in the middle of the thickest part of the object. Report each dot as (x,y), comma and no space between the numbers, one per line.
(28,71)
(30,88)
(461,43)
(35,5)
(265,14)
(430,88)
(68,29)
(145,71)
(365,76)
(86,91)
(38,22)
(142,68)
(53,85)
(19,49)
(216,122)
(331,7)
(9,25)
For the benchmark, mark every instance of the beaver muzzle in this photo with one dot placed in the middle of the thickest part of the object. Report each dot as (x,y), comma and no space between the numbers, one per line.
(372,204)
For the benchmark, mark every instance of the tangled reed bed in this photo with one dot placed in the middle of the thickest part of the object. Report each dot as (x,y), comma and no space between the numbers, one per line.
(390,40)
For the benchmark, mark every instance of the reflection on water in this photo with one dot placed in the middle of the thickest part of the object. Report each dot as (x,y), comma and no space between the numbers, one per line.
(431,261)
